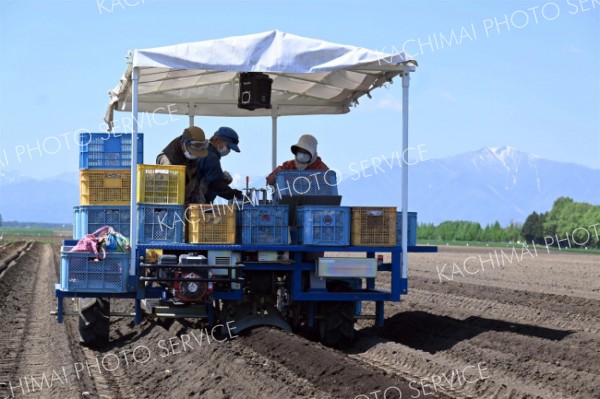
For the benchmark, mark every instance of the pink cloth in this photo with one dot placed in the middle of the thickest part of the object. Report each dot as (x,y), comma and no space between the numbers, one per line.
(89,242)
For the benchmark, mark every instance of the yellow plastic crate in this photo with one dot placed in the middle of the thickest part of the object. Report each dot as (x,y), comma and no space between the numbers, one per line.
(373,226)
(210,224)
(161,184)
(105,186)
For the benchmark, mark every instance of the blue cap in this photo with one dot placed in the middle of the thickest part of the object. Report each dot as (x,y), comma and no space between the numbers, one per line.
(230,136)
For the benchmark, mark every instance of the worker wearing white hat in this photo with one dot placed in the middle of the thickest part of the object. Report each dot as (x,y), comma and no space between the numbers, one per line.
(305,158)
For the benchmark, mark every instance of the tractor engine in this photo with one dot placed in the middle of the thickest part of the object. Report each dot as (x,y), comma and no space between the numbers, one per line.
(192,291)
(186,291)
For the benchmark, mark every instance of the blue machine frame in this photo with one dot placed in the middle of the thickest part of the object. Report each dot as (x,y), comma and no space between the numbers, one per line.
(399,287)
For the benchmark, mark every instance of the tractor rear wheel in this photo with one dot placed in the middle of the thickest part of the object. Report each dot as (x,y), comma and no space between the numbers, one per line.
(94,321)
(336,327)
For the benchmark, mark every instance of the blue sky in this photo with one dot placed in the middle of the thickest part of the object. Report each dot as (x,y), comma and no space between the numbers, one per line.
(525,74)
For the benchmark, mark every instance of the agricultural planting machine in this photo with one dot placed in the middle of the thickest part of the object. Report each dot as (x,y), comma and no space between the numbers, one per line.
(292,259)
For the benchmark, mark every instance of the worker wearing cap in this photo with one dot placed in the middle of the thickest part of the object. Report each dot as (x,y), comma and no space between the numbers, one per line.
(213,181)
(305,158)
(185,150)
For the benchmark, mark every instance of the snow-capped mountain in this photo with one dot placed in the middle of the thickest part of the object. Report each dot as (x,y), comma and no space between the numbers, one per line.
(486,185)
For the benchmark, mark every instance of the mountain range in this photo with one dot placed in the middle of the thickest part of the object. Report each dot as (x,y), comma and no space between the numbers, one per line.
(487,185)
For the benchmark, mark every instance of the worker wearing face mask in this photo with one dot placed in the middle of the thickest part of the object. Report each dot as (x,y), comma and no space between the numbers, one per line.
(213,181)
(185,150)
(305,158)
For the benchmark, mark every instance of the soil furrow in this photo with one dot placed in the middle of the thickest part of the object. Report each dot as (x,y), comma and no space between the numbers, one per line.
(530,329)
(333,371)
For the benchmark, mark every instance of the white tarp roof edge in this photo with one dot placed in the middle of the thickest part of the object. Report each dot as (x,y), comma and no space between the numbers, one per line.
(310,76)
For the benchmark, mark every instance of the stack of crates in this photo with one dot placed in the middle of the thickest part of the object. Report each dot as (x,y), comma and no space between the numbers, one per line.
(105,191)
(160,197)
(105,182)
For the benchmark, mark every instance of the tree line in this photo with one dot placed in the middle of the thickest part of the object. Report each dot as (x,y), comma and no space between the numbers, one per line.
(462,230)
(568,224)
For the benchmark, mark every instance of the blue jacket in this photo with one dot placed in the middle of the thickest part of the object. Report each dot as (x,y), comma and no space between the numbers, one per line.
(209,168)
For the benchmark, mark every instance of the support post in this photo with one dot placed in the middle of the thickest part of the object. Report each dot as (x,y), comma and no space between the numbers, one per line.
(133,228)
(190,115)
(405,84)
(273,137)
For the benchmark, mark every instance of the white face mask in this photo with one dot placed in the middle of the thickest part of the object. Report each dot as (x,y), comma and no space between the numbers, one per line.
(189,156)
(302,157)
(301,165)
(224,151)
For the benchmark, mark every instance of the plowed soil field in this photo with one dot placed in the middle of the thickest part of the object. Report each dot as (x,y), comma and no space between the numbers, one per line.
(473,325)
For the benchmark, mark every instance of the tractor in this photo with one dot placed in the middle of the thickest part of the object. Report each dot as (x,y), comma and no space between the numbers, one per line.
(281,258)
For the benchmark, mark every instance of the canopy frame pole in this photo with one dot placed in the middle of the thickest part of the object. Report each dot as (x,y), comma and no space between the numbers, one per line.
(405,85)
(190,115)
(274,137)
(134,144)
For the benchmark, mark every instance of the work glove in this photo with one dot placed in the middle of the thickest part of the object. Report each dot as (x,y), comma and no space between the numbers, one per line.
(238,194)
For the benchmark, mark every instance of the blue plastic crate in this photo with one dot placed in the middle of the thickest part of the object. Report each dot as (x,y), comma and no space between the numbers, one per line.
(412,228)
(323,225)
(82,272)
(263,224)
(305,182)
(108,150)
(89,218)
(76,223)
(160,223)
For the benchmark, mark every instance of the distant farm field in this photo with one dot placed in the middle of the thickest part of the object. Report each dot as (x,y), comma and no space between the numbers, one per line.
(49,236)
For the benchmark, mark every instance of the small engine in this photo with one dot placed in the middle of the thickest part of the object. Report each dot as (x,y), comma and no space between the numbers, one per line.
(192,291)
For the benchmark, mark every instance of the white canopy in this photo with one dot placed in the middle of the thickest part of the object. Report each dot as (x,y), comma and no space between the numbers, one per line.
(309,76)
